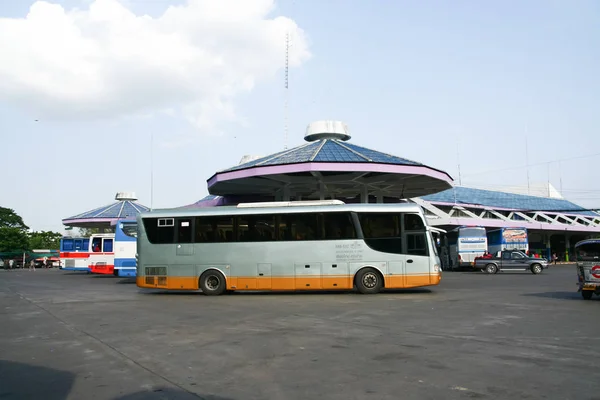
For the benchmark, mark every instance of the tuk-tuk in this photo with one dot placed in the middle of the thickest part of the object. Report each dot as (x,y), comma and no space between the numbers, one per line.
(587,253)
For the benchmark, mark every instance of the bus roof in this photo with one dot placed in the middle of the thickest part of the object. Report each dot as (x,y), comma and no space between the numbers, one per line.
(587,241)
(467,227)
(285,208)
(507,227)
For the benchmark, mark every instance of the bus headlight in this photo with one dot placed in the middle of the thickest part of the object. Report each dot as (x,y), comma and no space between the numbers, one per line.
(436,268)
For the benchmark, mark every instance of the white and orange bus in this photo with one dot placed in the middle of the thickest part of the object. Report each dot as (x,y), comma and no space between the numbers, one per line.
(303,245)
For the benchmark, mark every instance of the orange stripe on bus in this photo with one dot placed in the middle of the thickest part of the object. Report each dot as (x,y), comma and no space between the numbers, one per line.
(286,283)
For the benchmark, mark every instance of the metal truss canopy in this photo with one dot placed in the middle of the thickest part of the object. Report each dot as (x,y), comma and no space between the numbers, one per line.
(458,215)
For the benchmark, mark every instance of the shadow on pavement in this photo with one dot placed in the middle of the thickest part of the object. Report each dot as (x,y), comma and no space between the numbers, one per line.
(25,381)
(170,394)
(158,292)
(126,281)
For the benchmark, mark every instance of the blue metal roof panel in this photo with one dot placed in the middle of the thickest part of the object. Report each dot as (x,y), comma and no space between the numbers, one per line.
(254,163)
(297,155)
(326,150)
(333,152)
(379,157)
(120,209)
(489,198)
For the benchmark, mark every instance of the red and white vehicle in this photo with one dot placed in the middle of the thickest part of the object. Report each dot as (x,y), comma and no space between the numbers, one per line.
(102,254)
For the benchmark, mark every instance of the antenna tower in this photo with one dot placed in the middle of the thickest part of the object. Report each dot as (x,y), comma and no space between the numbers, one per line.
(285,106)
(458,162)
(527,164)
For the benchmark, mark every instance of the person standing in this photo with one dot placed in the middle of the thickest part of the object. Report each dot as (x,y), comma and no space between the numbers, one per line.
(32,265)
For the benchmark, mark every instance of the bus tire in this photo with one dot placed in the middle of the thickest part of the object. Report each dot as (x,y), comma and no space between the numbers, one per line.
(587,294)
(369,281)
(536,269)
(491,269)
(212,283)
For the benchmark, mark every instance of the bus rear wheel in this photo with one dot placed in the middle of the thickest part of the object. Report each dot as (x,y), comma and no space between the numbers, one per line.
(369,281)
(212,283)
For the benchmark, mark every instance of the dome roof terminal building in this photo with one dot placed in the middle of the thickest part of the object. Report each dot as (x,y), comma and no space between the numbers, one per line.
(327,166)
(105,217)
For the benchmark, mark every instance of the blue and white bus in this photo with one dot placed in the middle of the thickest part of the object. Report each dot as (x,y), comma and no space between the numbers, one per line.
(464,244)
(74,253)
(125,248)
(508,239)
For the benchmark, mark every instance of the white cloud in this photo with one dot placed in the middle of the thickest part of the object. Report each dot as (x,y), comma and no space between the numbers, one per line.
(105,61)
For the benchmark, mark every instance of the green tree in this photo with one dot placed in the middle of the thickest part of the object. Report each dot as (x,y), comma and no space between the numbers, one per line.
(87,232)
(44,240)
(10,219)
(13,239)
(13,231)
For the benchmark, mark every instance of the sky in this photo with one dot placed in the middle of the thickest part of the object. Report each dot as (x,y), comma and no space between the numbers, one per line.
(96,94)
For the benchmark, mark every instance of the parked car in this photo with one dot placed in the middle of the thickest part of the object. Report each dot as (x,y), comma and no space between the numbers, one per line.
(511,260)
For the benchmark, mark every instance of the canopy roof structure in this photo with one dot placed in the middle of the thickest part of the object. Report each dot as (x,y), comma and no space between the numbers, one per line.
(493,209)
(328,166)
(125,207)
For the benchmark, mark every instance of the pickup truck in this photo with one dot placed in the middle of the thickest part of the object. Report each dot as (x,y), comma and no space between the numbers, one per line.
(511,260)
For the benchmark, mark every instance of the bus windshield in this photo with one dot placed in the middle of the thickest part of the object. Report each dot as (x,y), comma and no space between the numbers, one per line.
(588,251)
(129,228)
(472,232)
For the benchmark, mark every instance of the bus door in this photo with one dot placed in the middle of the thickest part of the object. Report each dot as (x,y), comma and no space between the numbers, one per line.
(417,251)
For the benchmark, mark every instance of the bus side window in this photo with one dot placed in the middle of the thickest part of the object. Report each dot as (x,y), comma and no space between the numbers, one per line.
(107,246)
(303,226)
(416,243)
(204,230)
(160,230)
(214,229)
(184,230)
(382,231)
(413,222)
(67,245)
(338,226)
(97,245)
(256,228)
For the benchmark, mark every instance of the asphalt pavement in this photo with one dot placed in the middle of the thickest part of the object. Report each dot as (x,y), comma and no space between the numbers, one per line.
(475,336)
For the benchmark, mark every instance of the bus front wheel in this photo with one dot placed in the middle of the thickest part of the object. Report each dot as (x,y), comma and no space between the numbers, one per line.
(587,294)
(369,281)
(212,283)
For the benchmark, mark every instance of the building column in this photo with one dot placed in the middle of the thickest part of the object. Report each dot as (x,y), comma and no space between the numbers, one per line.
(548,248)
(380,197)
(364,194)
(567,247)
(286,193)
(321,191)
(278,196)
